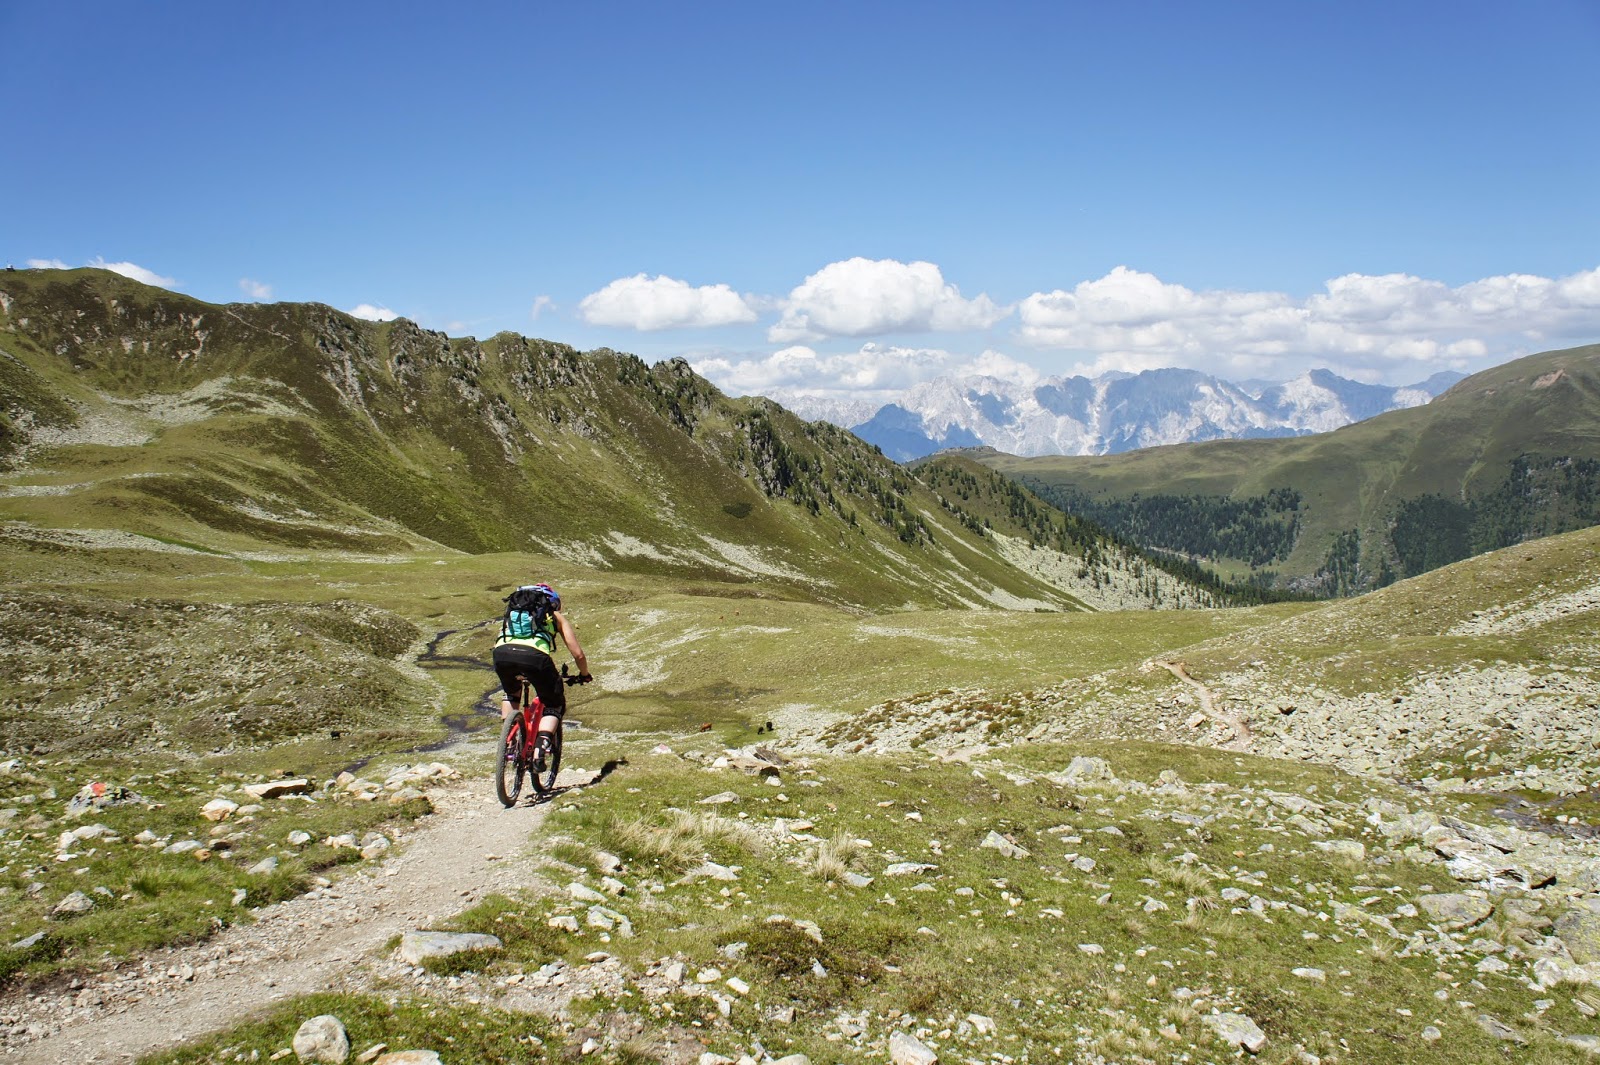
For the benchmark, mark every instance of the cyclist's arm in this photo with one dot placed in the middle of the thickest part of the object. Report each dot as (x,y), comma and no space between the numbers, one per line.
(569,636)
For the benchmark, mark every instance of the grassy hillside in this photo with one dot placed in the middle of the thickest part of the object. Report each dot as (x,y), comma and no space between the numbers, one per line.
(257,430)
(1506,454)
(1476,677)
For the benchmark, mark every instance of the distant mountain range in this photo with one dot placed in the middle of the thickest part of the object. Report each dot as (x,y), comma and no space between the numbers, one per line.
(1109,414)
(1509,454)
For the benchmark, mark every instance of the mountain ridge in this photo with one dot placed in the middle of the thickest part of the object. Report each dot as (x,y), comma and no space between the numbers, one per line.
(245,427)
(1109,414)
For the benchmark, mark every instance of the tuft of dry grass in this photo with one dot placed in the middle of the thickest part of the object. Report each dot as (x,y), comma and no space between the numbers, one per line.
(1186,879)
(835,857)
(683,840)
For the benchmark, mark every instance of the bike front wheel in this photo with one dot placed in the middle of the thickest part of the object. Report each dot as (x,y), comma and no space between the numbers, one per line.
(512,764)
(544,782)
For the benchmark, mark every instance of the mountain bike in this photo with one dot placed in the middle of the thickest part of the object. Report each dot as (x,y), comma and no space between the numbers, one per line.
(519,753)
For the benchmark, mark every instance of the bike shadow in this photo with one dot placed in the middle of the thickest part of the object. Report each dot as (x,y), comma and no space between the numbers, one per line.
(561,789)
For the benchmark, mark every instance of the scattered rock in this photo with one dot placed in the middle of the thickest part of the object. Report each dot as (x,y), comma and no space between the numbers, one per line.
(72,905)
(322,1039)
(809,928)
(218,809)
(277,789)
(1579,929)
(907,1049)
(100,796)
(710,871)
(415,946)
(908,868)
(1348,849)
(1456,910)
(1499,1029)
(1086,772)
(1007,847)
(720,799)
(608,919)
(1237,1029)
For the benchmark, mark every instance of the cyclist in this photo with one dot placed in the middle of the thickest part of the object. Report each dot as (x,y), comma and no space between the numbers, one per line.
(533,657)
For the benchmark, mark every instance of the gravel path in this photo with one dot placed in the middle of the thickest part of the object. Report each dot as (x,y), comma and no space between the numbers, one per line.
(470,847)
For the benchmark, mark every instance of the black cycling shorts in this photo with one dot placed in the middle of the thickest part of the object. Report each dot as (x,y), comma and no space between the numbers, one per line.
(511,660)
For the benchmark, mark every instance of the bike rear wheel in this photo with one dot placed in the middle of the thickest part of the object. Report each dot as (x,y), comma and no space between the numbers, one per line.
(513,760)
(544,783)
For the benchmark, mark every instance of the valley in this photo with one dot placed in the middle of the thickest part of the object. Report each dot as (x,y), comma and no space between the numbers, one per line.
(879,762)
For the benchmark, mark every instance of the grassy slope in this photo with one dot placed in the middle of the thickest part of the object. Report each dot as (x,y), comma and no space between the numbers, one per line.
(1492,654)
(1350,478)
(295,427)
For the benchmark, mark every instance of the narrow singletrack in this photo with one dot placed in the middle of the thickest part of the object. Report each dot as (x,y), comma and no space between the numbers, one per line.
(1239,726)
(471,846)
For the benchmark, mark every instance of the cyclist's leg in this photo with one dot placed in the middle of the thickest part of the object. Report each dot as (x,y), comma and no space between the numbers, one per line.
(552,693)
(510,665)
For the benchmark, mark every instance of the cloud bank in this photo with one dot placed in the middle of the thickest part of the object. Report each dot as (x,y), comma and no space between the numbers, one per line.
(255,289)
(650,303)
(873,371)
(1395,328)
(1371,321)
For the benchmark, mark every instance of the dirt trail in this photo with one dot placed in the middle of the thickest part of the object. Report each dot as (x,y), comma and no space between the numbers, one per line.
(1241,728)
(470,847)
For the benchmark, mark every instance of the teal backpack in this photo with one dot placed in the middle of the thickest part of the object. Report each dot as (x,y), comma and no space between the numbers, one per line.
(528,611)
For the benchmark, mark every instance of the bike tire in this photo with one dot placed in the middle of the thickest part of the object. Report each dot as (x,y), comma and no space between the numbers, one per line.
(512,763)
(544,783)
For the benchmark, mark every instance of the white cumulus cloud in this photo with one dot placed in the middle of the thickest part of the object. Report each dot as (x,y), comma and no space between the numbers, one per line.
(871,297)
(255,289)
(372,313)
(135,271)
(1364,323)
(649,303)
(48,264)
(540,305)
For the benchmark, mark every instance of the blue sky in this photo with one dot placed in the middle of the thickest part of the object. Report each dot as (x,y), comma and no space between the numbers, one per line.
(844,198)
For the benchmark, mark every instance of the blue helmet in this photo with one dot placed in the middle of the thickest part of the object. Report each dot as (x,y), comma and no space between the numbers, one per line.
(555,597)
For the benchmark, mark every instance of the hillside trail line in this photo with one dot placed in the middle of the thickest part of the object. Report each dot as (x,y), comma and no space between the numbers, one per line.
(1239,726)
(470,847)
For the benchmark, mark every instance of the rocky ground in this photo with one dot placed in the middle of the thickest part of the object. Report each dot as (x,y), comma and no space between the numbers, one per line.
(470,847)
(1502,908)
